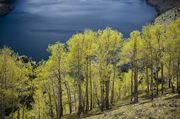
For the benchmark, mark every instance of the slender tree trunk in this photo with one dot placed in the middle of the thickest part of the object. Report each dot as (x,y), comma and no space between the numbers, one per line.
(60,101)
(69,96)
(162,78)
(177,75)
(147,80)
(80,108)
(18,115)
(157,83)
(135,72)
(119,94)
(107,94)
(102,95)
(55,100)
(152,87)
(79,98)
(23,111)
(96,95)
(87,85)
(132,85)
(157,90)
(136,85)
(50,104)
(83,104)
(13,106)
(59,78)
(172,78)
(75,101)
(169,72)
(91,88)
(112,91)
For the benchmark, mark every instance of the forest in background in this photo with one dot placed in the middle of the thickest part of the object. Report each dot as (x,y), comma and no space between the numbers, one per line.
(93,70)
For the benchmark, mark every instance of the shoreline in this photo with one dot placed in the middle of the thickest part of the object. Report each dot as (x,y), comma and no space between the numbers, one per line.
(160,16)
(6,6)
(162,6)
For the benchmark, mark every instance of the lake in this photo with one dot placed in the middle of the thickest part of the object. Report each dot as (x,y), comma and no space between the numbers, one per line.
(34,24)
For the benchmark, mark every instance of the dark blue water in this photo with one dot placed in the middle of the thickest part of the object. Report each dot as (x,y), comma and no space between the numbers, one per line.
(36,23)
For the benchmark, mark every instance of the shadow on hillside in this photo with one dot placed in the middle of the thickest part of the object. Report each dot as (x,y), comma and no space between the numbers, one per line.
(173,97)
(148,101)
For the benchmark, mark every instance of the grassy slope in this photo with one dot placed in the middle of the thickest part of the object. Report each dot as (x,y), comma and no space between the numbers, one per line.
(165,107)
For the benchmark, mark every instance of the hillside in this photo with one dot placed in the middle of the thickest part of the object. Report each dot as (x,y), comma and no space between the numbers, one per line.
(168,16)
(164,5)
(96,74)
(166,107)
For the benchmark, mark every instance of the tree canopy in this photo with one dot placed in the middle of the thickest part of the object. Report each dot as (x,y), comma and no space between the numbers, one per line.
(92,70)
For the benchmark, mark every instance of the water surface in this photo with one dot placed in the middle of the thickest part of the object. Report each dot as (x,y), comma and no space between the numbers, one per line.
(36,23)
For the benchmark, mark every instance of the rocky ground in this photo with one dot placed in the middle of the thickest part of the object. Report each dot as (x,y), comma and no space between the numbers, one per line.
(164,5)
(168,16)
(165,107)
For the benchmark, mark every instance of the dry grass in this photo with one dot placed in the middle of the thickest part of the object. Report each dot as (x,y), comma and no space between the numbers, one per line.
(165,107)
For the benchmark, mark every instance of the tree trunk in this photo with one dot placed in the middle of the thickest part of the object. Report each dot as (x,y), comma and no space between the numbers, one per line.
(162,78)
(102,95)
(157,90)
(50,104)
(83,104)
(147,80)
(119,91)
(169,73)
(107,94)
(96,95)
(60,101)
(152,87)
(13,106)
(87,85)
(18,115)
(55,100)
(132,85)
(59,78)
(172,78)
(69,96)
(157,83)
(177,75)
(112,91)
(135,68)
(91,88)
(136,85)
(79,98)
(75,101)
(23,111)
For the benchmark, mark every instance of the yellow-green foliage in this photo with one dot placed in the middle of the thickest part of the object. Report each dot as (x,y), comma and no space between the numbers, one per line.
(88,60)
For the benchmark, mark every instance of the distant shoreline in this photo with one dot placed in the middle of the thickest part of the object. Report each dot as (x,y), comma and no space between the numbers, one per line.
(168,10)
(6,6)
(162,6)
